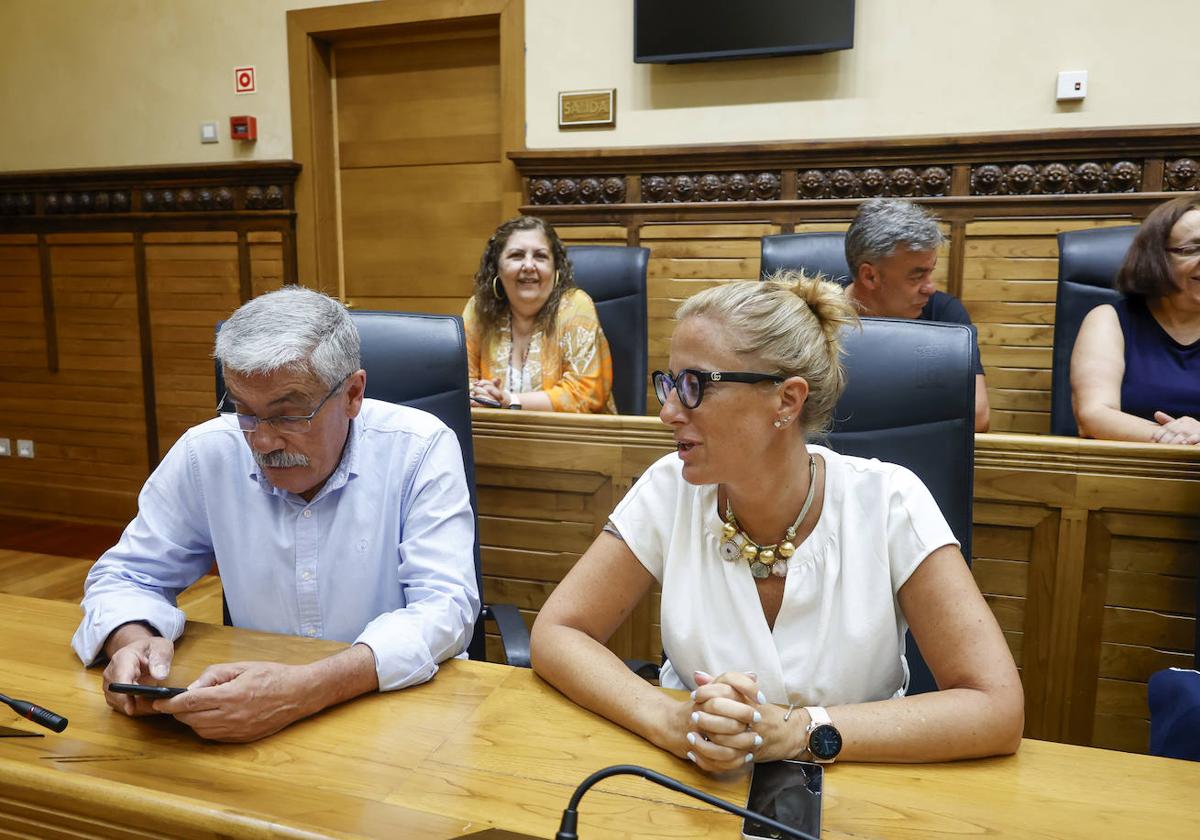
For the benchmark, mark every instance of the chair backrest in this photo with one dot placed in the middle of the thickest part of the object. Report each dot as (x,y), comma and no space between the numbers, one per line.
(420,361)
(810,252)
(910,400)
(614,276)
(1088,261)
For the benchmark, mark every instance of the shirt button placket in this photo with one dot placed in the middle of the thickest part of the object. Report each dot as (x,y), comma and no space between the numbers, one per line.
(307,593)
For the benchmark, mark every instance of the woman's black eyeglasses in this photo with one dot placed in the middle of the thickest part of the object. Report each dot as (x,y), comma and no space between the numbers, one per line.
(690,383)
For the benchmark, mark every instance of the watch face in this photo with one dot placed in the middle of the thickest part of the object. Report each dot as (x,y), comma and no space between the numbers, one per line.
(825,742)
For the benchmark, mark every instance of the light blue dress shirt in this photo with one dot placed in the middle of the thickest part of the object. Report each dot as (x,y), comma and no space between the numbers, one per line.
(382,555)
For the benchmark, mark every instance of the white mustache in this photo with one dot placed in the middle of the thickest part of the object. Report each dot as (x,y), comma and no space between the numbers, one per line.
(280,458)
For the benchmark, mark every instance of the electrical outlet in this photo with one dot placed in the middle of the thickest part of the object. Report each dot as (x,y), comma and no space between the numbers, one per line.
(5,447)
(24,449)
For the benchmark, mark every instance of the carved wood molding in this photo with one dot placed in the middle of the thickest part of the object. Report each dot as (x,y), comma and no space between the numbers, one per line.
(1182,174)
(1056,177)
(166,191)
(1118,162)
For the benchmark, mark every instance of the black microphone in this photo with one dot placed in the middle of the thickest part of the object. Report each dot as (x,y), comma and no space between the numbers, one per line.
(37,714)
(570,817)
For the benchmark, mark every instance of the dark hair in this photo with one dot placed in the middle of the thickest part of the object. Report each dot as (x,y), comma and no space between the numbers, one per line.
(491,309)
(1147,269)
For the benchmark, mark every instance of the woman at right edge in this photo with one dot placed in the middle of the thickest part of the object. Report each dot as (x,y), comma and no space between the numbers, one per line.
(789,572)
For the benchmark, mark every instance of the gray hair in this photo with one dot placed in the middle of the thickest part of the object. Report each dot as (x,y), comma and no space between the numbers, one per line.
(791,323)
(882,225)
(293,329)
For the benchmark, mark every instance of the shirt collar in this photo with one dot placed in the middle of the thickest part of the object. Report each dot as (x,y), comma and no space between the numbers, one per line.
(346,469)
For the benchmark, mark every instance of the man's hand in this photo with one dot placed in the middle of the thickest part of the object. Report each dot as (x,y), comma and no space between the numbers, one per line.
(146,660)
(243,701)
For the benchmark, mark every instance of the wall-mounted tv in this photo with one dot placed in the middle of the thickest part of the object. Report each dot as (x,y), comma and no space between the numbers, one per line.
(676,31)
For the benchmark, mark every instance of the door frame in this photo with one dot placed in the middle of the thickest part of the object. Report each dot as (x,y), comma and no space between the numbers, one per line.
(311,36)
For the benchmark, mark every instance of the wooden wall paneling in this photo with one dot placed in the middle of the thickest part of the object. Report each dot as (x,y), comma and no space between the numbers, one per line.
(195,280)
(546,485)
(1110,575)
(24,261)
(1147,619)
(86,418)
(48,315)
(1010,271)
(116,267)
(268,265)
(1006,540)
(592,234)
(145,343)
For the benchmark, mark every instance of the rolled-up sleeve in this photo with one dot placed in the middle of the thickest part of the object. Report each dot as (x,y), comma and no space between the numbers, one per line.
(163,551)
(436,572)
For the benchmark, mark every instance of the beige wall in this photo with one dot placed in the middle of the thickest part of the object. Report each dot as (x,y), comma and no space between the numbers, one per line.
(917,67)
(99,83)
(102,83)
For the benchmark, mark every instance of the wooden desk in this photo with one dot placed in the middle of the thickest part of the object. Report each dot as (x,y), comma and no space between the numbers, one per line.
(481,745)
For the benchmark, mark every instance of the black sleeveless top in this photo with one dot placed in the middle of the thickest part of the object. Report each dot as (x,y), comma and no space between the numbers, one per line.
(1160,373)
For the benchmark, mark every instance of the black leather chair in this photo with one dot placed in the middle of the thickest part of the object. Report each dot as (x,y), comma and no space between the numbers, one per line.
(813,253)
(910,400)
(1088,261)
(614,276)
(420,360)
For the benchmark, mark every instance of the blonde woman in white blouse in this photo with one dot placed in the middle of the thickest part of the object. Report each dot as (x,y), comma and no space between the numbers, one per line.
(789,573)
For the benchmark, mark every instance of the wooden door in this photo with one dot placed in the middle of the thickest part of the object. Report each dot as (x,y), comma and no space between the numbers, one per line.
(419,164)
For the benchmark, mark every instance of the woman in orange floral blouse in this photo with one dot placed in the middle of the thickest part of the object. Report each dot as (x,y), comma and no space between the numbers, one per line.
(533,338)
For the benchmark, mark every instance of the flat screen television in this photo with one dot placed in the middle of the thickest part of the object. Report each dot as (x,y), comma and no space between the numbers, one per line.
(676,31)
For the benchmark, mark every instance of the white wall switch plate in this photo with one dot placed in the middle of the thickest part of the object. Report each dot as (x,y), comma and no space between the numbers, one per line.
(5,447)
(24,449)
(208,132)
(1072,84)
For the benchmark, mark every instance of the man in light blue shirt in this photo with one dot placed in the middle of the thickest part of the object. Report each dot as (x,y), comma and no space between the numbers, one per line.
(329,515)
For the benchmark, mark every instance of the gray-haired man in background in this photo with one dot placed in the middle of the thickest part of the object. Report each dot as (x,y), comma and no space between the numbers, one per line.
(330,516)
(891,248)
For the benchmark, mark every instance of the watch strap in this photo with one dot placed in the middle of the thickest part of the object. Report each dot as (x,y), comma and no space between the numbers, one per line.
(818,716)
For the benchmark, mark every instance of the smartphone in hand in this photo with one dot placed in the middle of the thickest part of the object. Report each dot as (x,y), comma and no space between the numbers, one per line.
(787,791)
(155,692)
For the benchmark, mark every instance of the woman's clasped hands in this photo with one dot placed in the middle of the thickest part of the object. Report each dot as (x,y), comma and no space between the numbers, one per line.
(728,724)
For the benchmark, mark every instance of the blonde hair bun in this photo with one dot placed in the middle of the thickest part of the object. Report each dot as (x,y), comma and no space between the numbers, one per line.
(791,324)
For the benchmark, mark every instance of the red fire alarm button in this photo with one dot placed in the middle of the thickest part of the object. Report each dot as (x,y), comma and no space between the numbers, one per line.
(243,128)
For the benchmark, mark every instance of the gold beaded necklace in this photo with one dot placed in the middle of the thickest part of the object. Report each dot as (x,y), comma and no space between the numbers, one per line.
(765,560)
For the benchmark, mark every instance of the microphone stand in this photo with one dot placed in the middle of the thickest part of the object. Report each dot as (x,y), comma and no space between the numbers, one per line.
(40,716)
(570,817)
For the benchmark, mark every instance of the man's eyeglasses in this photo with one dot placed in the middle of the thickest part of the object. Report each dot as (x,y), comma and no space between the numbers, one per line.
(690,383)
(283,423)
(1186,252)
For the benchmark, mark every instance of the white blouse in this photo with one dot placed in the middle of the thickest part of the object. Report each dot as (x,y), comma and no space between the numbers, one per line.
(839,635)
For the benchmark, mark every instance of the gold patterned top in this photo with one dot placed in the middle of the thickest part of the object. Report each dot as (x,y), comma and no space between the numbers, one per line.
(574,369)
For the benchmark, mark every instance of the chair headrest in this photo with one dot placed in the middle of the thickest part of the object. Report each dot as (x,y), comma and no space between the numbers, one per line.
(1093,257)
(813,253)
(609,272)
